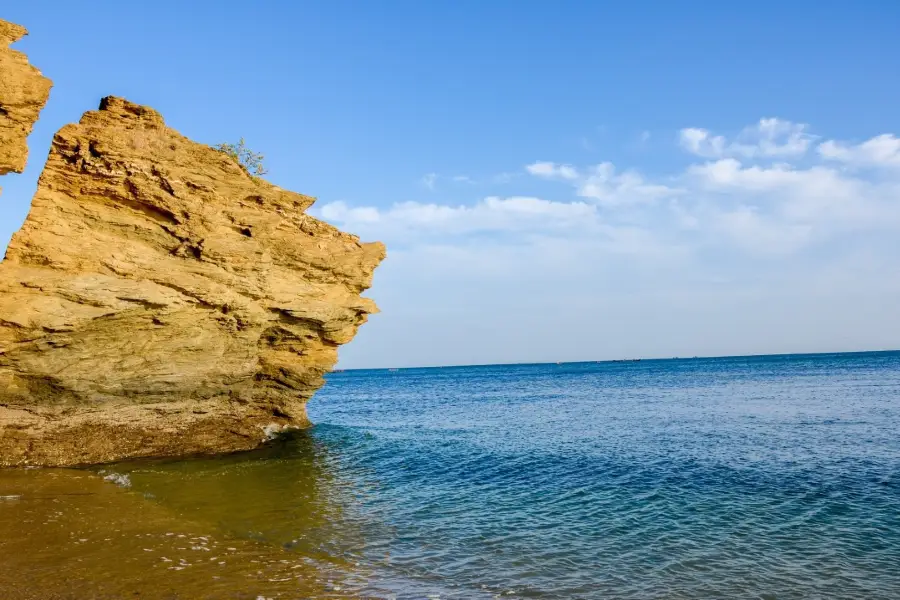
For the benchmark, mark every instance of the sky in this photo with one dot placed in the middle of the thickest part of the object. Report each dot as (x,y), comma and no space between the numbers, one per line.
(554,181)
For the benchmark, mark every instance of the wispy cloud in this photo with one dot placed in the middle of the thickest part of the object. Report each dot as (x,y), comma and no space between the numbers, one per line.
(550,170)
(463,179)
(602,184)
(768,138)
(429,180)
(879,151)
(752,197)
(768,241)
(607,187)
(501,178)
(407,220)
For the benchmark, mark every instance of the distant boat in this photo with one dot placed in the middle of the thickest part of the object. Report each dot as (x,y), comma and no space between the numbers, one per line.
(393,369)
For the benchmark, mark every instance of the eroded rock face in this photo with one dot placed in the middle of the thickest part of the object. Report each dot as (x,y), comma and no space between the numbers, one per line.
(23,93)
(159,300)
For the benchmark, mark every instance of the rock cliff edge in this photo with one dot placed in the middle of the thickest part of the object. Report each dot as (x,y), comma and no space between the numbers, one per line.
(23,93)
(161,301)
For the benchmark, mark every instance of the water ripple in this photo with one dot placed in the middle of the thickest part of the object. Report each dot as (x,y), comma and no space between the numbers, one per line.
(754,477)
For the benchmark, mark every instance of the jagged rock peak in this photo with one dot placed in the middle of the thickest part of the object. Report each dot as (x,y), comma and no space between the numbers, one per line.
(23,94)
(11,33)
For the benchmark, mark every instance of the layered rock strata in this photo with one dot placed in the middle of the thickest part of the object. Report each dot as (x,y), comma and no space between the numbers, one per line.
(159,300)
(23,94)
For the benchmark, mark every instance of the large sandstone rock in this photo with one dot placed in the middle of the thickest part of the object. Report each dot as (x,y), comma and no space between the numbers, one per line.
(23,93)
(159,300)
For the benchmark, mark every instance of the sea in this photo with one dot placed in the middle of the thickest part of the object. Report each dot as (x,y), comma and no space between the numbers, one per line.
(767,477)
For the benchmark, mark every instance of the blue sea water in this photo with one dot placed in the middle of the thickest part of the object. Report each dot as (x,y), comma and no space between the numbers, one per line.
(751,477)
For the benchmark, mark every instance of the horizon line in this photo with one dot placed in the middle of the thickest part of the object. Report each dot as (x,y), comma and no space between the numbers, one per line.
(614,360)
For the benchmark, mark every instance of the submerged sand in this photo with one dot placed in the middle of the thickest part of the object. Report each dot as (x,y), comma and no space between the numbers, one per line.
(70,534)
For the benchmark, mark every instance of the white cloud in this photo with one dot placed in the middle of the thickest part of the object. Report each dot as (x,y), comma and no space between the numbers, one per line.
(574,230)
(411,220)
(879,151)
(764,246)
(775,137)
(603,185)
(731,174)
(608,188)
(551,170)
(772,138)
(340,212)
(700,142)
(463,179)
(816,194)
(740,204)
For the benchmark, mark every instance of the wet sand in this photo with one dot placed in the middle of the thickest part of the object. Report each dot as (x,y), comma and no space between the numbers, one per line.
(71,534)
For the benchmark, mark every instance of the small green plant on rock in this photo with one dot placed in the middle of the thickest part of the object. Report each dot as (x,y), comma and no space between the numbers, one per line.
(251,161)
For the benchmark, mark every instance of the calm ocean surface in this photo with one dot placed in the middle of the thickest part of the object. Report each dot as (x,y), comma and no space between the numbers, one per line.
(762,477)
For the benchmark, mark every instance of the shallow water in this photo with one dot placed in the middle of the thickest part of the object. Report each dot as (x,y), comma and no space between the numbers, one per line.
(765,477)
(75,535)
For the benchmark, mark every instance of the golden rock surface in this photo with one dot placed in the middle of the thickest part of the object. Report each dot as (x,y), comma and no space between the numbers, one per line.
(161,301)
(23,93)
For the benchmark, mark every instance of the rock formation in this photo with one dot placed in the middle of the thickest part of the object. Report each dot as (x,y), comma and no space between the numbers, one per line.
(23,93)
(159,300)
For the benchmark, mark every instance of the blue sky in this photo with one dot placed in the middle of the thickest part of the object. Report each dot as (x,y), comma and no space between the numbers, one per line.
(554,181)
